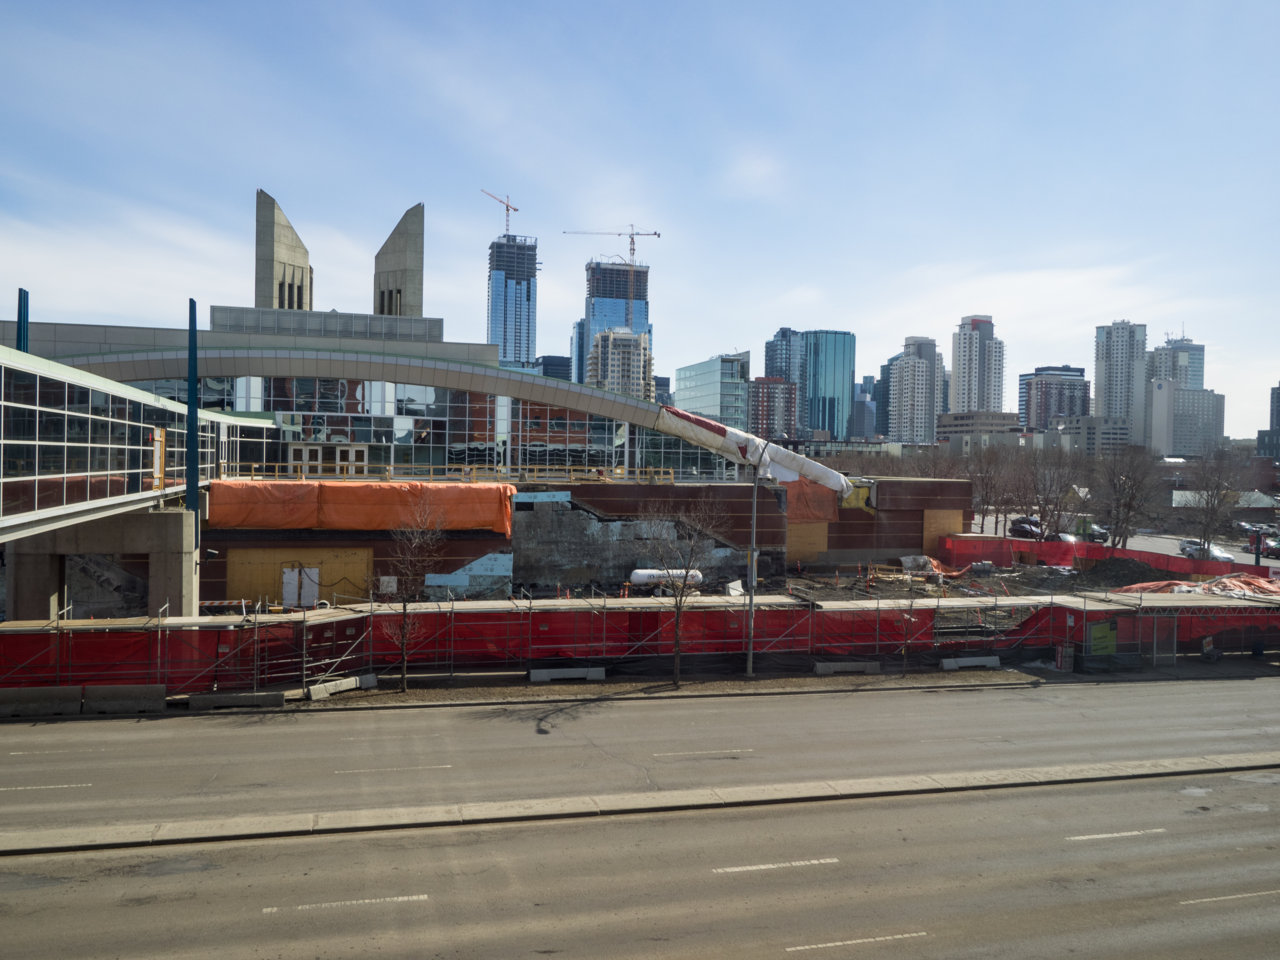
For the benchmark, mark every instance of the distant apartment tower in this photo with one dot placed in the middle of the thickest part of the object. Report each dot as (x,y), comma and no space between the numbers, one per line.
(620,361)
(915,392)
(617,297)
(397,268)
(282,276)
(1051,392)
(773,408)
(1092,436)
(1179,359)
(863,423)
(716,388)
(513,299)
(1182,422)
(977,366)
(1120,376)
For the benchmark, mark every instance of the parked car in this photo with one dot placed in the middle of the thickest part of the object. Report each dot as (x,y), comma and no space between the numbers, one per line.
(1024,531)
(1062,538)
(1210,552)
(1096,534)
(1186,546)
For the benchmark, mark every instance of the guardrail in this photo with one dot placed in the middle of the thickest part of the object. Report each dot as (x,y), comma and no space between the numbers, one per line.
(459,473)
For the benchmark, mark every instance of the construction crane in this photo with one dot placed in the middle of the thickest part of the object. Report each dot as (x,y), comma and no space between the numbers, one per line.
(506,202)
(631,233)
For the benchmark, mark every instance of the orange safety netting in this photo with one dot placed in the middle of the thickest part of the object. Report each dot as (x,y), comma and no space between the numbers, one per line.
(353,505)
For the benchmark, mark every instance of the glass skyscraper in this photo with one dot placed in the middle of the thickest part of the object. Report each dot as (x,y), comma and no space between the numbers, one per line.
(617,296)
(513,299)
(828,387)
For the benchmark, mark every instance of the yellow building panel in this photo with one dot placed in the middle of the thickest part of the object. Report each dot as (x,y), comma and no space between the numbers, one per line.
(259,573)
(806,541)
(940,523)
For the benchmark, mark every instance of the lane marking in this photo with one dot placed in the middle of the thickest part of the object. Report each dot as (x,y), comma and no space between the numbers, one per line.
(438,766)
(38,753)
(850,943)
(1237,896)
(390,737)
(1112,836)
(52,786)
(700,753)
(776,866)
(348,903)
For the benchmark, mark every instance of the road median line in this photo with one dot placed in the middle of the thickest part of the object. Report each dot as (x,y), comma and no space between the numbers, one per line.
(269,826)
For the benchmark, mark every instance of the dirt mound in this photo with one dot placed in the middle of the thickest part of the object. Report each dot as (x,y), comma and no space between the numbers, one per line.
(1118,572)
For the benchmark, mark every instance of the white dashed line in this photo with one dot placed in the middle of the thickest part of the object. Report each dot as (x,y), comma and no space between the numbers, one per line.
(438,766)
(1114,836)
(45,753)
(362,739)
(850,943)
(701,753)
(348,903)
(52,786)
(1237,896)
(776,866)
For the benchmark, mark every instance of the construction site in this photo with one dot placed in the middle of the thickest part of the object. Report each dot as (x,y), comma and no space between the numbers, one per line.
(537,582)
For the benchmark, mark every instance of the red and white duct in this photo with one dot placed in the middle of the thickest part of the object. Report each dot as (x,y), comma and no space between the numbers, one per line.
(740,447)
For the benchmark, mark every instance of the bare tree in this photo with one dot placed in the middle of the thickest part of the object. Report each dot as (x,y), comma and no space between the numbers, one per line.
(989,469)
(1124,491)
(1053,474)
(682,538)
(417,548)
(1214,481)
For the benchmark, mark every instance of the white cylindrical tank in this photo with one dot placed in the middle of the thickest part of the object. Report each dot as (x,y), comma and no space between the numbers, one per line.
(653,578)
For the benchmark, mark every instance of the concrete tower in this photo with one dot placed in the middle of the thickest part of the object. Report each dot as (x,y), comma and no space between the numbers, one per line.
(282,276)
(1120,375)
(397,268)
(977,366)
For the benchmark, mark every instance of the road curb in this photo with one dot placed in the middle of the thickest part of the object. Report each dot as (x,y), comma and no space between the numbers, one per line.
(281,826)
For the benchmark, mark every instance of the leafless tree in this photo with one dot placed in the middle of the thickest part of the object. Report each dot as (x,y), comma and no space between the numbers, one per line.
(1214,481)
(1124,491)
(990,469)
(682,538)
(417,548)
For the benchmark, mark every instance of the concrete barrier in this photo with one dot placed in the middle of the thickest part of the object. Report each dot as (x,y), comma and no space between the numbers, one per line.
(566,673)
(212,701)
(321,691)
(846,666)
(40,701)
(124,698)
(955,663)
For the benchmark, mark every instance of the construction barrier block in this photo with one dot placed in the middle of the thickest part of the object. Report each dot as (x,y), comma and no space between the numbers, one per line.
(850,666)
(40,701)
(566,673)
(955,663)
(125,698)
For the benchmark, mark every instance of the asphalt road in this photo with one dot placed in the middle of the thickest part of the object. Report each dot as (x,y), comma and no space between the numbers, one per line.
(66,774)
(1172,868)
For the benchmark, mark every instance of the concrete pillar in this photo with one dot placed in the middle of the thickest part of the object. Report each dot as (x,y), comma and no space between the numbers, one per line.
(33,580)
(167,537)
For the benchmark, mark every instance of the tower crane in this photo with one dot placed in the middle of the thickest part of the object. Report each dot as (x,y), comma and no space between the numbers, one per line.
(630,233)
(506,202)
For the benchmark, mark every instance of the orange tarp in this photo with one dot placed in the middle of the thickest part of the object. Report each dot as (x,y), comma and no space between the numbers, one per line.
(810,502)
(353,505)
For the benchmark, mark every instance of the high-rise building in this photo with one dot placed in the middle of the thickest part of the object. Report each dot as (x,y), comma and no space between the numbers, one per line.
(662,391)
(716,388)
(863,423)
(282,276)
(555,367)
(773,408)
(1179,360)
(1182,422)
(915,392)
(620,361)
(513,299)
(397,268)
(1269,440)
(1120,374)
(617,296)
(880,395)
(827,400)
(1050,392)
(977,366)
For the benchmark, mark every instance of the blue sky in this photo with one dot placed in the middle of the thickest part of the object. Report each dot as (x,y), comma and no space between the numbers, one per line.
(884,168)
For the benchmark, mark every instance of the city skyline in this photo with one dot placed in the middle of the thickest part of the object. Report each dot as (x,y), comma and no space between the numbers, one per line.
(876,171)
